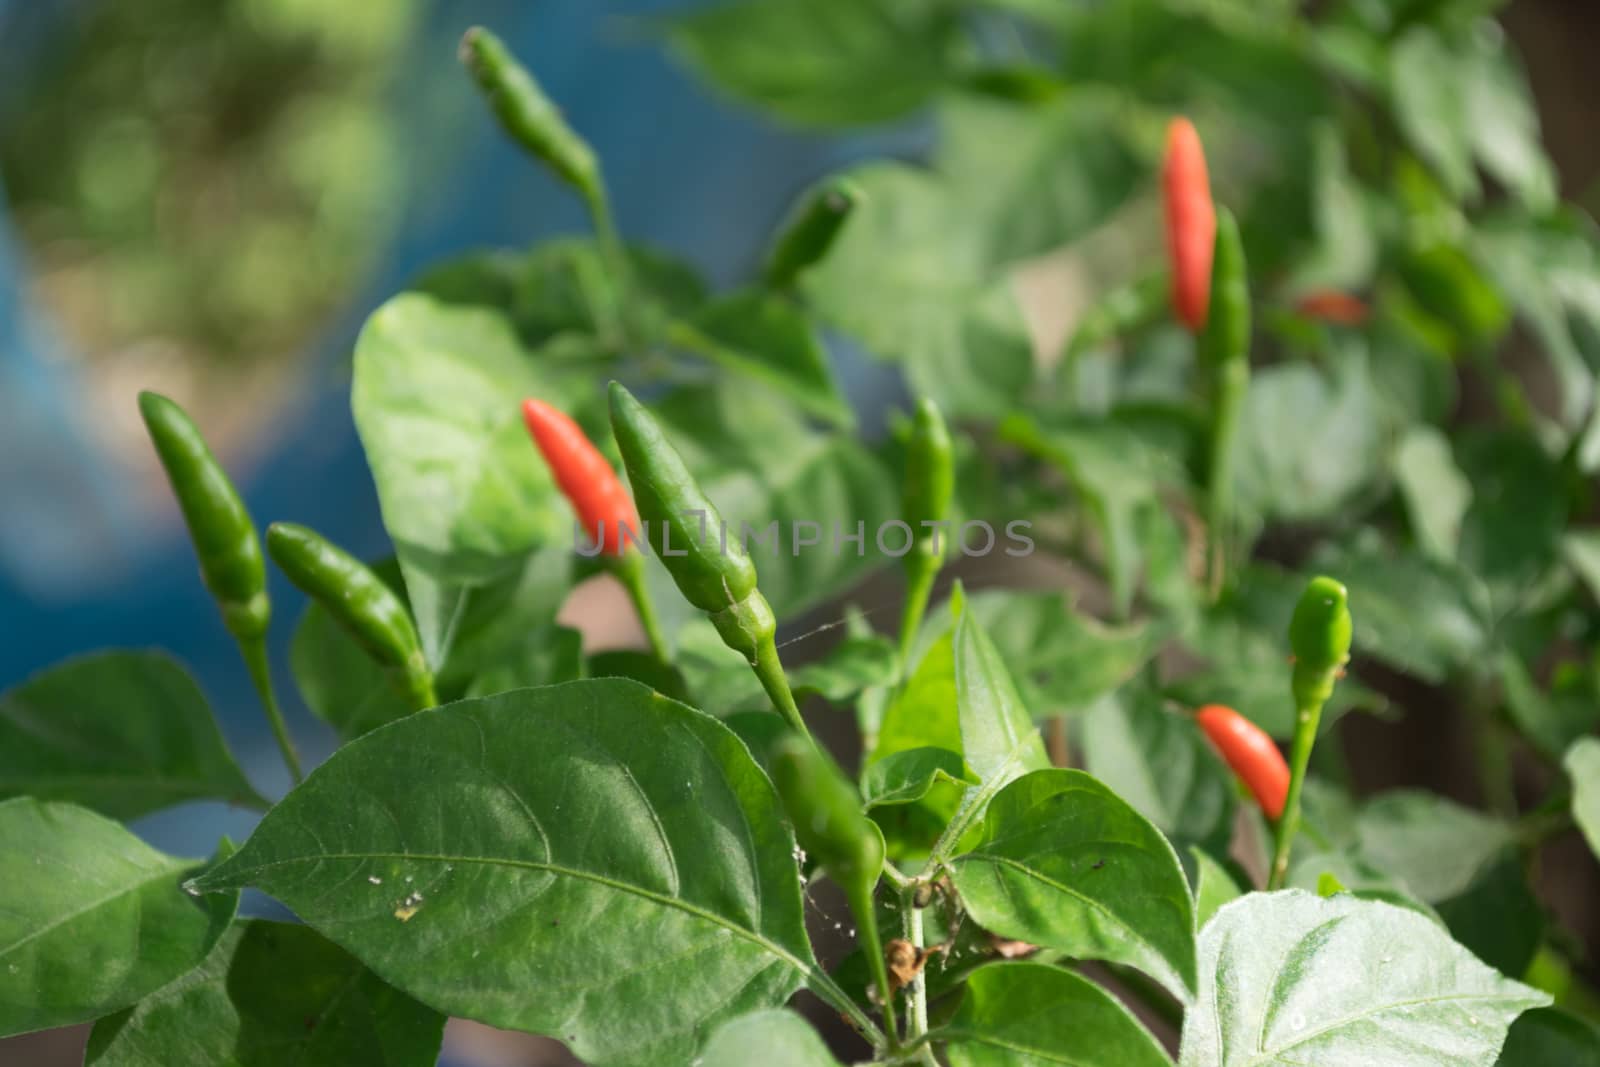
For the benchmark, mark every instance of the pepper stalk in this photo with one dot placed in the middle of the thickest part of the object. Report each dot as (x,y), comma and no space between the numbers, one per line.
(1225,356)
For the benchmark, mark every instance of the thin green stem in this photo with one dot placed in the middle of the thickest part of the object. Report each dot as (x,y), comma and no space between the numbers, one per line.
(419,688)
(254,651)
(920,577)
(1288,824)
(917,991)
(769,668)
(630,572)
(612,252)
(1496,775)
(862,906)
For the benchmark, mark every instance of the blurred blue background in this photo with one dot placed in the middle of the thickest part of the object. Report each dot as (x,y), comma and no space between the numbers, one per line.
(93,556)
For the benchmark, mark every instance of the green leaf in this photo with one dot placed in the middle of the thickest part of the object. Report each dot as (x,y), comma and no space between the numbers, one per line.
(923,713)
(1062,661)
(91,918)
(1550,1037)
(998,738)
(1294,978)
(1432,108)
(1512,532)
(124,733)
(272,993)
(339,681)
(1160,762)
(1436,847)
(464,494)
(1550,720)
(549,654)
(1582,764)
(642,667)
(819,62)
(906,776)
(1498,918)
(1065,863)
(771,1038)
(1307,444)
(913,284)
(763,335)
(1067,167)
(443,845)
(1435,491)
(1029,1015)
(1213,888)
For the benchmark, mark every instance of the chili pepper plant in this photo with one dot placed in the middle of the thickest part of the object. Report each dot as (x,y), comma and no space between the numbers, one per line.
(1107,817)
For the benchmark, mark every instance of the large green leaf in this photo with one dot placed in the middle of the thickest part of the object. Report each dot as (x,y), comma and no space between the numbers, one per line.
(124,733)
(912,283)
(819,62)
(1213,887)
(1435,491)
(1160,762)
(1551,719)
(1293,978)
(593,841)
(1436,847)
(998,737)
(91,918)
(1068,165)
(1512,532)
(465,496)
(923,713)
(1582,763)
(269,994)
(1061,659)
(1066,863)
(907,776)
(1031,1015)
(1550,1037)
(771,1038)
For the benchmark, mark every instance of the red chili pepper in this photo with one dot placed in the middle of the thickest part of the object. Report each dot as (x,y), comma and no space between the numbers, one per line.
(589,482)
(1191,223)
(1251,753)
(1330,305)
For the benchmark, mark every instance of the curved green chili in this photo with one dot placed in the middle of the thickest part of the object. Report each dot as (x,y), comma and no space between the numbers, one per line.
(226,544)
(1225,355)
(808,235)
(925,507)
(1319,635)
(686,531)
(357,599)
(828,823)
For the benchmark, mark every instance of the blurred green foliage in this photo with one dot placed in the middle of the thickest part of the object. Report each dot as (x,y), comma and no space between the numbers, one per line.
(214,174)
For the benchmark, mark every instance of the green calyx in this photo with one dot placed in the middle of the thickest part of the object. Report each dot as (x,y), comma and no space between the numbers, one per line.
(683,526)
(357,599)
(1226,338)
(1319,636)
(224,536)
(526,112)
(811,231)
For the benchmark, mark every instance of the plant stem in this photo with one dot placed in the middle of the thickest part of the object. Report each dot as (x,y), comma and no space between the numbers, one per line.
(861,905)
(630,572)
(254,651)
(1288,824)
(919,588)
(612,252)
(769,668)
(917,991)
(827,989)
(1232,381)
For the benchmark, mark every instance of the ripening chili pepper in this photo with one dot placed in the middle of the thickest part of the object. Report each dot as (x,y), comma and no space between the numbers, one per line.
(1225,355)
(224,537)
(711,570)
(1191,222)
(585,478)
(226,543)
(1319,635)
(925,507)
(601,501)
(825,811)
(526,113)
(1252,755)
(811,232)
(356,599)
(1332,306)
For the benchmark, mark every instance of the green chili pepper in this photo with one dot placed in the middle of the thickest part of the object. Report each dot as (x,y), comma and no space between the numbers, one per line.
(811,231)
(687,533)
(1319,635)
(1224,347)
(828,823)
(226,543)
(526,112)
(357,600)
(925,507)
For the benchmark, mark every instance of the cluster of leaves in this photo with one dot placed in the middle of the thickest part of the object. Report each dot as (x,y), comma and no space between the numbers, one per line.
(586,845)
